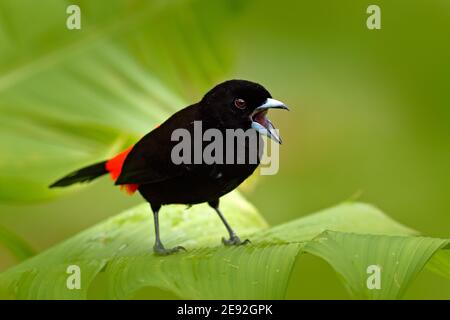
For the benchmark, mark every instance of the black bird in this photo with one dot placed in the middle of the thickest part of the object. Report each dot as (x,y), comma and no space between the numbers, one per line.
(148,166)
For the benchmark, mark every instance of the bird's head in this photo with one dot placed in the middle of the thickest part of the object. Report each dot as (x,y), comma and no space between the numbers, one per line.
(241,104)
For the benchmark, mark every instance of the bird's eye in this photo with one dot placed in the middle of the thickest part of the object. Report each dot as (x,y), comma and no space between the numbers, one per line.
(240,103)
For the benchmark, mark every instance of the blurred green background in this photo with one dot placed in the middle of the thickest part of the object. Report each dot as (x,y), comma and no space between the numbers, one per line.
(369,120)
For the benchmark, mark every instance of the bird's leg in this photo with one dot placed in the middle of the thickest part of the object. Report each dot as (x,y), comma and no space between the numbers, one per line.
(234,239)
(158,247)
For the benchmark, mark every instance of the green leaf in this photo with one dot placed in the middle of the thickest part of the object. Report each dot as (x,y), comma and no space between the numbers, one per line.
(346,217)
(129,234)
(72,97)
(18,247)
(399,260)
(440,263)
(120,249)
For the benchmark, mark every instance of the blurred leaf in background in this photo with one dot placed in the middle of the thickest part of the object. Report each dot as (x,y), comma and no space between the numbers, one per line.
(71,97)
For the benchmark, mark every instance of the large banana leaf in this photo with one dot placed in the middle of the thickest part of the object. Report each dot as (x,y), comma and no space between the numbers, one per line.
(71,97)
(120,250)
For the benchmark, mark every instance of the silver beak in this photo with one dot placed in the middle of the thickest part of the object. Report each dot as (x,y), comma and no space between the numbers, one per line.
(262,124)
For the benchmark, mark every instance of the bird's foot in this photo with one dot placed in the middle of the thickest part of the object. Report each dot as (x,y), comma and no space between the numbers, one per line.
(234,241)
(161,251)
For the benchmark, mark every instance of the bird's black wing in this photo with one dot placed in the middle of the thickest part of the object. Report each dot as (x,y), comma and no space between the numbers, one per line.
(148,163)
(150,159)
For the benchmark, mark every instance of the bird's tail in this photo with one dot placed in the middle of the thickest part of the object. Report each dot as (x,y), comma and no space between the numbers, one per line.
(85,174)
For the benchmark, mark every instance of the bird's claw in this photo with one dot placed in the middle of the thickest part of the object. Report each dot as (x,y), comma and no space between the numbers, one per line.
(161,251)
(234,241)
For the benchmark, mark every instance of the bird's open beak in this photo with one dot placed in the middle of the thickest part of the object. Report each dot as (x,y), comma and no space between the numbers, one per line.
(261,123)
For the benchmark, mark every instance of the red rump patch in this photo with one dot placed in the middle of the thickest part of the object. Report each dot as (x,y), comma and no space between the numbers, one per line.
(114,167)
